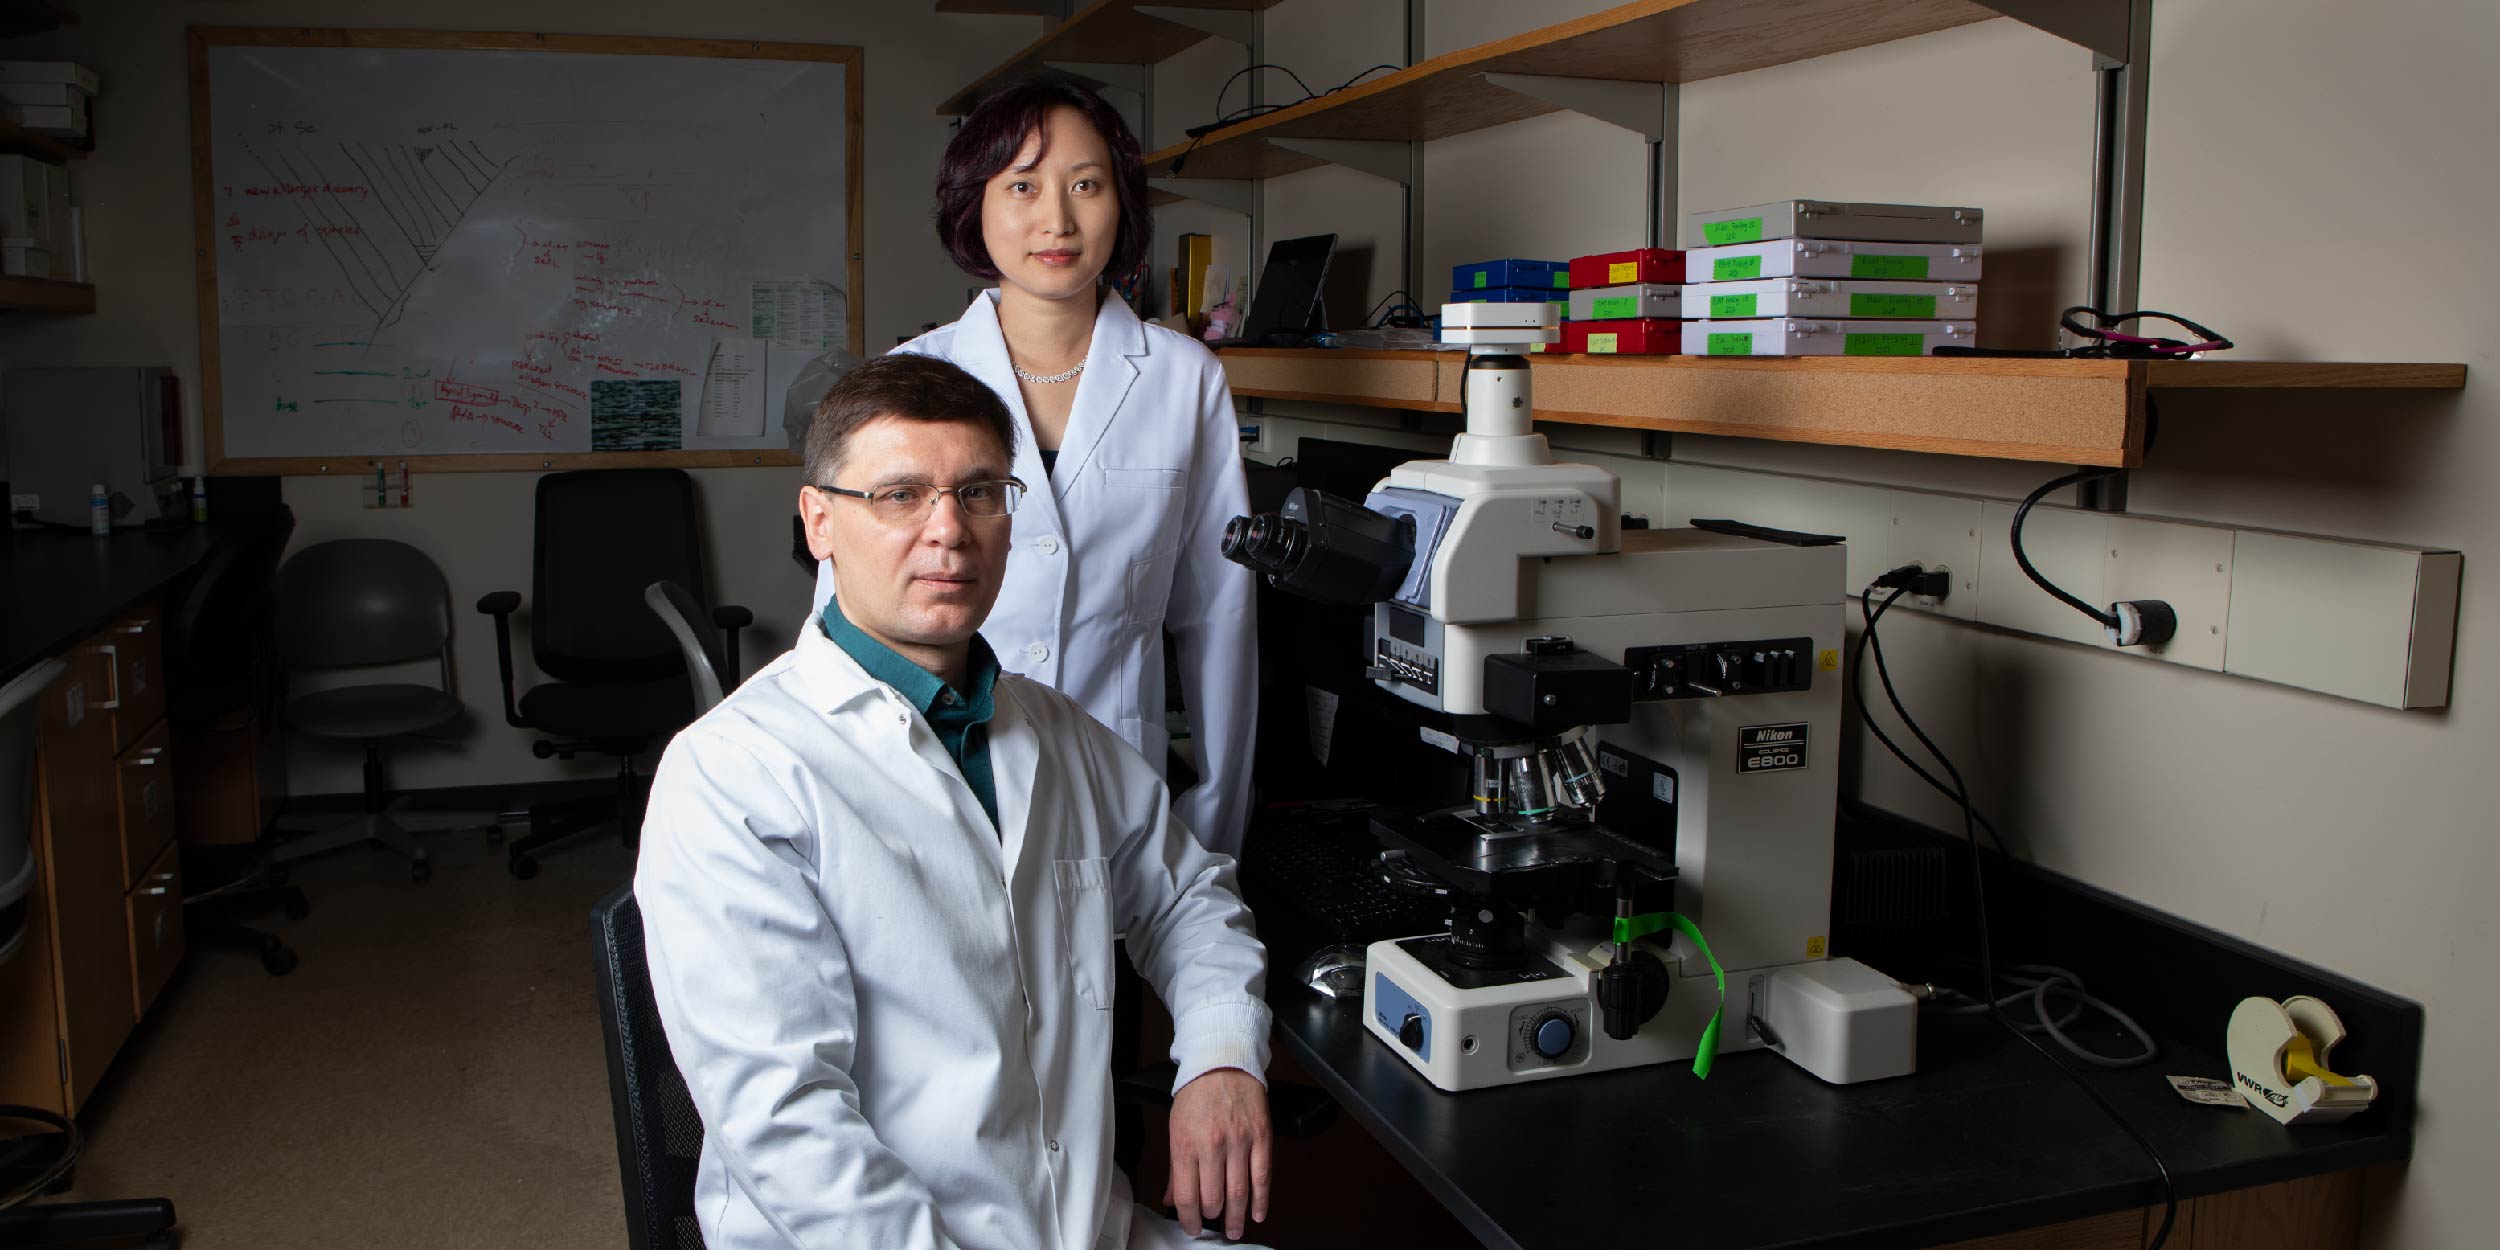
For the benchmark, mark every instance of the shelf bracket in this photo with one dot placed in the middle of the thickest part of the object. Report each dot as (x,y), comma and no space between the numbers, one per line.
(1639,107)
(2099,26)
(1381,158)
(1231,25)
(1130,78)
(1233,195)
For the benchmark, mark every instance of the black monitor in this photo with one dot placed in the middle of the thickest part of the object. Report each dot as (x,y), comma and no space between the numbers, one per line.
(1288,293)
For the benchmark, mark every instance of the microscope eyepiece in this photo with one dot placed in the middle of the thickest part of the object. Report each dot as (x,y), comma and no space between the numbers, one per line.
(1325,548)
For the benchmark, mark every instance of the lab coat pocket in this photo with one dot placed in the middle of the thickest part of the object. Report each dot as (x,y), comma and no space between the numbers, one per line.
(1085,926)
(1150,505)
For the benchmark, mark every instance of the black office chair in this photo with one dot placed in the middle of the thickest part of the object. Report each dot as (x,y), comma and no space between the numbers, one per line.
(619,680)
(711,655)
(221,678)
(41,1162)
(659,1137)
(355,603)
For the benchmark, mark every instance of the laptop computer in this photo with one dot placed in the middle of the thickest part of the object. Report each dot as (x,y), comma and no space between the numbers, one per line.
(1282,308)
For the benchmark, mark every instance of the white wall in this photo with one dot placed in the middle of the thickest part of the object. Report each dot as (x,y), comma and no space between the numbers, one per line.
(477,526)
(2355,837)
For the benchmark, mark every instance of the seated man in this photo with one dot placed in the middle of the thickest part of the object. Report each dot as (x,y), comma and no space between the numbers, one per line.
(879,885)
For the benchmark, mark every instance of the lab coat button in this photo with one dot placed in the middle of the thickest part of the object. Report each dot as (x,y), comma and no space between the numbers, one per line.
(1054,1145)
(1038,651)
(1047,544)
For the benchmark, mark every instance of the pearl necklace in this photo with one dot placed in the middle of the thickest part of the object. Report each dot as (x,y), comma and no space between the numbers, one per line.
(1051,380)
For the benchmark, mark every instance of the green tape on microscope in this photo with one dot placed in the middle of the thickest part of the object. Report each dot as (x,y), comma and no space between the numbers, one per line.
(1911,267)
(1892,305)
(1735,268)
(1733,305)
(1630,928)
(1883,344)
(1731,344)
(1614,308)
(1741,230)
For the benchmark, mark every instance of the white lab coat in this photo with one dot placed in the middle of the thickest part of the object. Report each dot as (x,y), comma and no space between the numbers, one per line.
(1128,545)
(894,1018)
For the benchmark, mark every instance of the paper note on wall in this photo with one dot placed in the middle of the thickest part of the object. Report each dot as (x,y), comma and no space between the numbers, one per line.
(734,390)
(799,314)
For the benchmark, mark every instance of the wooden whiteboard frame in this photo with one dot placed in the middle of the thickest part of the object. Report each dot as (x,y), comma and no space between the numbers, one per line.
(204,221)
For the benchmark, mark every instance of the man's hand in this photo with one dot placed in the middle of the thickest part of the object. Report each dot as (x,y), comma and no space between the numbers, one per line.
(1219,1151)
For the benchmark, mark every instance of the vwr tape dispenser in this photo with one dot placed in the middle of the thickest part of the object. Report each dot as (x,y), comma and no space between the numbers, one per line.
(2279,1054)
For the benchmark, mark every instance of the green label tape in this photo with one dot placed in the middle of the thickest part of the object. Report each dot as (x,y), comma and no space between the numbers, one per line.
(1883,344)
(1601,344)
(1732,344)
(1614,307)
(1912,267)
(1480,275)
(1735,268)
(1892,305)
(1741,230)
(1632,928)
(1562,279)
(1732,305)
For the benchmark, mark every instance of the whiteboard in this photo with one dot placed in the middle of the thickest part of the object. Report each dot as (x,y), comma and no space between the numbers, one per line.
(516,257)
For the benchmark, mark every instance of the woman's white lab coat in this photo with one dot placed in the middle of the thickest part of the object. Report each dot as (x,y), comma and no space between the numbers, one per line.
(892,1016)
(1149,471)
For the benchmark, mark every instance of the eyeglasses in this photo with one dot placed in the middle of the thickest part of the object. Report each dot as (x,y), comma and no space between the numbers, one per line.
(907,502)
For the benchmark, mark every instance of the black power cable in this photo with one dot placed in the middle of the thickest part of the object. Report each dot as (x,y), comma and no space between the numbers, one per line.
(1871,612)
(2108,620)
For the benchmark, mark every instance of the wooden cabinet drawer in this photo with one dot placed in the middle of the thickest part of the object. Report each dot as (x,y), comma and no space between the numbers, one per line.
(155,929)
(80,845)
(133,649)
(147,800)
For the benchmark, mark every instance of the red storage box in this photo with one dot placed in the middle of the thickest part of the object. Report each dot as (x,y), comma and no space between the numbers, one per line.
(1649,336)
(1641,264)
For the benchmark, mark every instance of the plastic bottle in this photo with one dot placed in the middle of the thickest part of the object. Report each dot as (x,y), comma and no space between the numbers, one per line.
(199,499)
(99,511)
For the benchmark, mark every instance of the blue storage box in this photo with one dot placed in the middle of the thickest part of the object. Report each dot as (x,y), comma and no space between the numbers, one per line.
(1544,275)
(1509,295)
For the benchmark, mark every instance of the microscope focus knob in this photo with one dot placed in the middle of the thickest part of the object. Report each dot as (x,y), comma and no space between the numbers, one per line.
(1411,1032)
(1553,1036)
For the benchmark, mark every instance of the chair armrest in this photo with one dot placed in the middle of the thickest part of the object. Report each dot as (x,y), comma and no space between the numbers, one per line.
(731,618)
(501,605)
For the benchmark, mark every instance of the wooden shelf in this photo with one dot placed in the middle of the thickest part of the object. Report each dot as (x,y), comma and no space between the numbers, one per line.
(1000,8)
(1107,32)
(1650,41)
(2082,412)
(46,295)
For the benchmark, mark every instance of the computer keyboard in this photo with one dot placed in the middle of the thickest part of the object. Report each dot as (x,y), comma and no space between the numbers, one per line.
(1320,860)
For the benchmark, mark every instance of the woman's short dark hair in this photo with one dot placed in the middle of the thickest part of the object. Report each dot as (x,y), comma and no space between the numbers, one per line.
(920,388)
(989,138)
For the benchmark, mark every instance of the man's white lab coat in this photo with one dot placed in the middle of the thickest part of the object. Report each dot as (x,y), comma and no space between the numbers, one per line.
(1128,545)
(895,1019)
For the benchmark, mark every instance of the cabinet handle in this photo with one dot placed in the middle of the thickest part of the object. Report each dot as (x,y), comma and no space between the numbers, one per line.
(113,672)
(147,756)
(156,891)
(140,627)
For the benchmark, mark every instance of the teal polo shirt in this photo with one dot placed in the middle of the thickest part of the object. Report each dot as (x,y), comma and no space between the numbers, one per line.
(959,718)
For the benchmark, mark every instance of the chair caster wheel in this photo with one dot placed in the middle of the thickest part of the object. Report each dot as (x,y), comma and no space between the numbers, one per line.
(523,866)
(421,871)
(296,907)
(277,961)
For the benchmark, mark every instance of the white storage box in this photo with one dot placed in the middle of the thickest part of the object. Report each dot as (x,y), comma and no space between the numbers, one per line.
(54,94)
(1834,258)
(1833,297)
(58,121)
(1825,219)
(25,198)
(1801,336)
(25,258)
(1624,303)
(70,72)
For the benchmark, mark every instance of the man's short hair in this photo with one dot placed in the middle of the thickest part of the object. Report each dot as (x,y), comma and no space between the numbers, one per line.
(988,140)
(919,388)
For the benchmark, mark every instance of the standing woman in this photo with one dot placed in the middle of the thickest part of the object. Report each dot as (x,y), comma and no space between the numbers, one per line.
(1126,433)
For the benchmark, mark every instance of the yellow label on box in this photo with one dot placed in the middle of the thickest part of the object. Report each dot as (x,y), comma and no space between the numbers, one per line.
(1602,343)
(1624,271)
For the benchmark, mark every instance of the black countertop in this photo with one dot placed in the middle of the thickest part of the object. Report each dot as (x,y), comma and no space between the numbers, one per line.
(1985,1138)
(64,586)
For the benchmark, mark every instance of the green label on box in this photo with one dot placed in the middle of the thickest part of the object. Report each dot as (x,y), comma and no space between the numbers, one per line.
(1735,268)
(1732,344)
(1614,307)
(1892,305)
(1882,344)
(1732,305)
(1480,279)
(1601,343)
(1911,267)
(1741,230)
(1562,279)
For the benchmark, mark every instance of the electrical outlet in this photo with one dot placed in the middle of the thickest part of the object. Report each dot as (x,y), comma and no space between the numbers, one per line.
(1253,438)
